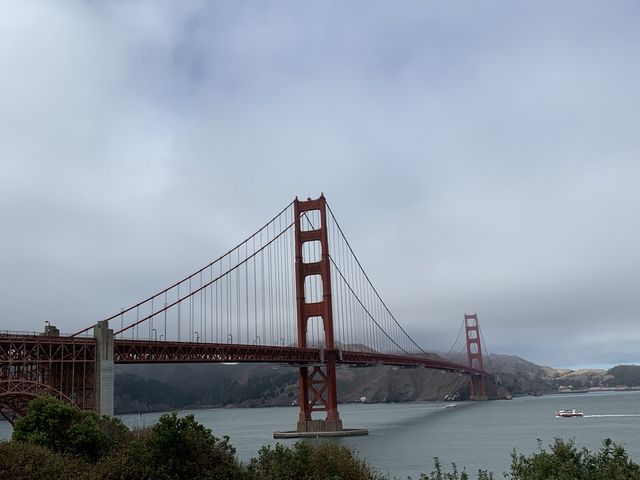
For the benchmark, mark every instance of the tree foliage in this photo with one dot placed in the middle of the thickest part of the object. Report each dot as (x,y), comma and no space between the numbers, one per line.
(55,440)
(564,461)
(65,429)
(439,474)
(26,461)
(175,448)
(304,462)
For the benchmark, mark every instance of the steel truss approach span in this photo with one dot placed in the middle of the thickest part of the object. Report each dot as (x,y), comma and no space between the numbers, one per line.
(292,293)
(35,365)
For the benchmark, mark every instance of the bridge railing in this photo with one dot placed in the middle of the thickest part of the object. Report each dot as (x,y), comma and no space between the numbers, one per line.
(32,333)
(19,333)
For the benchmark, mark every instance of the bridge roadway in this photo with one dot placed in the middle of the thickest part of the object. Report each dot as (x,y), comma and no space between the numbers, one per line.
(23,348)
(79,370)
(142,351)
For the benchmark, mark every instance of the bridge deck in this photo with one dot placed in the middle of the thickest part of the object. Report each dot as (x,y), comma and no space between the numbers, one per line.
(43,349)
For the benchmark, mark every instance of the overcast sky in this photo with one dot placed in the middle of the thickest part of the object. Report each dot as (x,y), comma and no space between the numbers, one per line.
(481,157)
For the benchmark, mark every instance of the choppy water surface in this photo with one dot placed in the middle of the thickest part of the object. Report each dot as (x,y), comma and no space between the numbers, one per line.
(404,438)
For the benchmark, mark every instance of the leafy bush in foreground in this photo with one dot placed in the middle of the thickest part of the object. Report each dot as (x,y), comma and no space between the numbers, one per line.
(454,474)
(58,441)
(174,448)
(304,462)
(565,462)
(24,461)
(65,429)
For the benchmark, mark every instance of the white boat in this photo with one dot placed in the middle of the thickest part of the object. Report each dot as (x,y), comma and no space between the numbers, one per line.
(564,413)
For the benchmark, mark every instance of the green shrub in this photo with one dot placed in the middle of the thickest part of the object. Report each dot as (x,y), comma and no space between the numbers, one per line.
(57,441)
(562,462)
(24,461)
(116,434)
(454,474)
(304,462)
(176,448)
(566,462)
(65,429)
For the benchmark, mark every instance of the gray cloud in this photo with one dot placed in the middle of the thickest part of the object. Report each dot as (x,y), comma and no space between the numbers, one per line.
(481,157)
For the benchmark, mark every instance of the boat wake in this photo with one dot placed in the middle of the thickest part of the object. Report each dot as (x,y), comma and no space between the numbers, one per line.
(614,415)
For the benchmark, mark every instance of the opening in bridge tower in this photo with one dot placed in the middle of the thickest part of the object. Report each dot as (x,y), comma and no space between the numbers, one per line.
(474,357)
(316,384)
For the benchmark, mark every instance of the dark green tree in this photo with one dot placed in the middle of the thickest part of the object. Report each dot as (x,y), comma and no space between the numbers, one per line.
(564,461)
(176,448)
(26,461)
(65,429)
(304,462)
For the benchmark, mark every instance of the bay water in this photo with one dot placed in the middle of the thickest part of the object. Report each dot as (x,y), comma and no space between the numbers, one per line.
(405,437)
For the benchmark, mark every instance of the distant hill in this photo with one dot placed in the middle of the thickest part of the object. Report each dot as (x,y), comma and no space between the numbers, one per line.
(627,375)
(525,376)
(142,388)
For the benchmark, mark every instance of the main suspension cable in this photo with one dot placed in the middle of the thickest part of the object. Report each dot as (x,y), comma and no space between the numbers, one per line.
(176,284)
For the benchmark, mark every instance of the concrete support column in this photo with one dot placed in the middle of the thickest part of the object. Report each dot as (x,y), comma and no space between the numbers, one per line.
(104,368)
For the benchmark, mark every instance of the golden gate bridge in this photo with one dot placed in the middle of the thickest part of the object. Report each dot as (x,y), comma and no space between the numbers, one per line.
(292,293)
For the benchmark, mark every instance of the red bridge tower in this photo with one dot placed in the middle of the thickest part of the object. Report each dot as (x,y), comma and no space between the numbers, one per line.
(474,357)
(317,384)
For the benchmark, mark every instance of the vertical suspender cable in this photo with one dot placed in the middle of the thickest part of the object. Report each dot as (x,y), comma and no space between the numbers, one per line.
(262,291)
(270,294)
(279,259)
(255,293)
(238,319)
(190,312)
(246,290)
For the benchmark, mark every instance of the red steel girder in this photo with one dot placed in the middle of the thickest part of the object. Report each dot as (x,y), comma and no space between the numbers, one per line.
(34,365)
(374,358)
(142,351)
